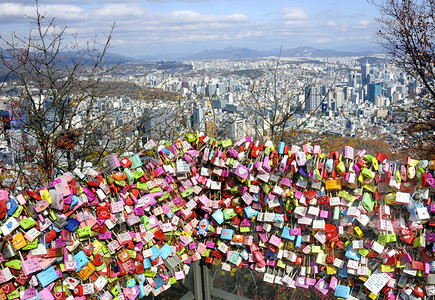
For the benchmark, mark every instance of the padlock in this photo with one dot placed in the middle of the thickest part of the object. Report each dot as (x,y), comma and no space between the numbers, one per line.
(9,251)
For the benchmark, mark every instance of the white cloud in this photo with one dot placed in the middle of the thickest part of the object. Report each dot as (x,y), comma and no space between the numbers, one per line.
(137,25)
(363,23)
(323,40)
(331,24)
(294,13)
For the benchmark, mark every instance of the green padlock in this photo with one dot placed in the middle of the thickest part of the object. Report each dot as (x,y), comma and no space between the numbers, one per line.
(392,237)
(14,264)
(363,251)
(157,189)
(343,194)
(138,173)
(120,183)
(341,168)
(27,223)
(266,188)
(187,192)
(31,245)
(417,242)
(229,213)
(165,196)
(336,215)
(144,220)
(142,186)
(245,229)
(368,202)
(15,294)
(130,177)
(227,143)
(383,238)
(115,290)
(172,280)
(84,231)
(18,212)
(368,173)
(190,137)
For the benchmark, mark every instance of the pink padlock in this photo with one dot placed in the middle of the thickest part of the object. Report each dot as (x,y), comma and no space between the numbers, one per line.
(274,240)
(406,259)
(301,158)
(348,152)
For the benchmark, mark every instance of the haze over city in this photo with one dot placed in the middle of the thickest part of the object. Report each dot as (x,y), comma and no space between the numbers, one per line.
(159,27)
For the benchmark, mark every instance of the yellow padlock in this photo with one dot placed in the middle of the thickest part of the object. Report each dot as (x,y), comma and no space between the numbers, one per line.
(45,195)
(358,231)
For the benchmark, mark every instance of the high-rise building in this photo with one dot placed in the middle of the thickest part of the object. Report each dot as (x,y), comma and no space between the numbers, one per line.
(312,98)
(198,118)
(374,90)
(365,70)
(339,97)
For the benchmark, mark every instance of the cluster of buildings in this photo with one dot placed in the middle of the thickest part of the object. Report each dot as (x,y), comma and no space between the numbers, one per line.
(346,96)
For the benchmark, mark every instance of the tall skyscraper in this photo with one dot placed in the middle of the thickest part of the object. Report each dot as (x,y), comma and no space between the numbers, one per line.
(312,98)
(365,70)
(198,116)
(374,90)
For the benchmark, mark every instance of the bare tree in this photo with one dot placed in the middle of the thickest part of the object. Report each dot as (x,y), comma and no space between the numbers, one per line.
(408,37)
(56,113)
(275,98)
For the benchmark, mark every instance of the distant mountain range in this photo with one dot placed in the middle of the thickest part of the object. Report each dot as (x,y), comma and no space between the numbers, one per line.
(239,53)
(246,53)
(110,58)
(231,53)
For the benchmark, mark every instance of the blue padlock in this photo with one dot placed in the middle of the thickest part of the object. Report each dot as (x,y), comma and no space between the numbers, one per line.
(72,224)
(156,252)
(227,234)
(81,260)
(250,212)
(342,291)
(286,233)
(281,147)
(141,291)
(74,201)
(159,282)
(298,241)
(12,206)
(47,276)
(342,272)
(352,253)
(165,251)
(147,263)
(218,215)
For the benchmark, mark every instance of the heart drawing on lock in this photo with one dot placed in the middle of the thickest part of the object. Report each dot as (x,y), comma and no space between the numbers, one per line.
(58,295)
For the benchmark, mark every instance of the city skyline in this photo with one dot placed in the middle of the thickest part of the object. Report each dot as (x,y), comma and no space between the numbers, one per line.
(159,27)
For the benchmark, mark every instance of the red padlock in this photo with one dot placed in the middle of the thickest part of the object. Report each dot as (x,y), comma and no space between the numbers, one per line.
(88,249)
(418,291)
(78,290)
(3,209)
(51,235)
(98,260)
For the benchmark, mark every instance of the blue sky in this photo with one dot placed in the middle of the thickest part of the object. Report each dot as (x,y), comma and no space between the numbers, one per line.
(154,27)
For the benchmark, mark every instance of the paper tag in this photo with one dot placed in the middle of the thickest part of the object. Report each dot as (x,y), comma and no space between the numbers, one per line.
(376,282)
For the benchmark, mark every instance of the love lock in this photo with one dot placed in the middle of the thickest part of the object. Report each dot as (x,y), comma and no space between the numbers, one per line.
(98,260)
(88,249)
(9,251)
